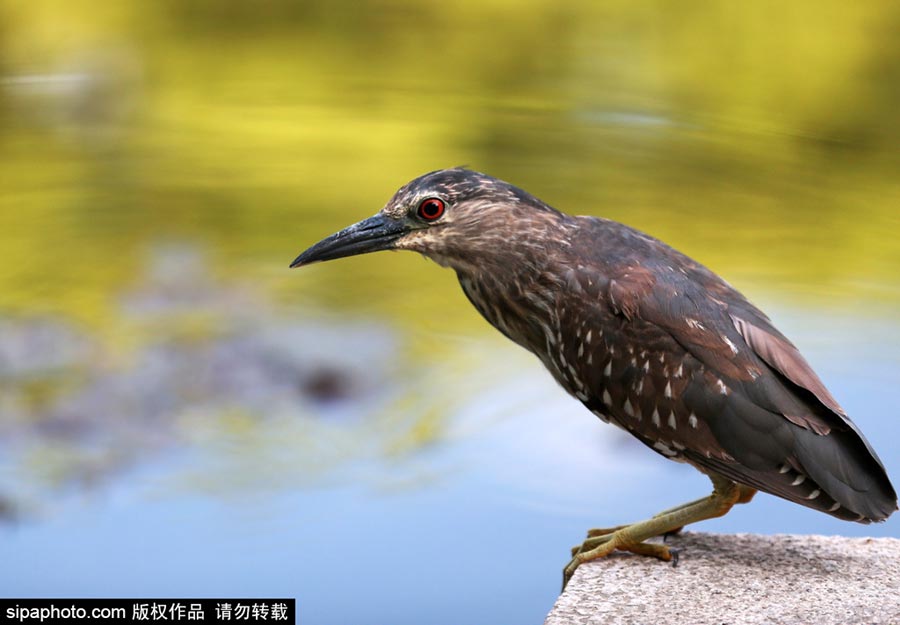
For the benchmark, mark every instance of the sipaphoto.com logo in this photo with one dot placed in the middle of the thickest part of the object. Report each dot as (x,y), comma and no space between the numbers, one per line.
(70,612)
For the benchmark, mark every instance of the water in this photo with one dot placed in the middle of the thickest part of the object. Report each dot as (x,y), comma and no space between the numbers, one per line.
(180,415)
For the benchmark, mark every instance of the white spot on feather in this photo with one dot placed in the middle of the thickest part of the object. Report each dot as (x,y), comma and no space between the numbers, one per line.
(694,323)
(692,420)
(664,449)
(548,333)
(731,345)
(814,494)
(606,398)
(798,480)
(575,379)
(668,390)
(607,371)
(672,420)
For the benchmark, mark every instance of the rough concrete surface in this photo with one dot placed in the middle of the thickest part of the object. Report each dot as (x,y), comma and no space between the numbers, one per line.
(741,579)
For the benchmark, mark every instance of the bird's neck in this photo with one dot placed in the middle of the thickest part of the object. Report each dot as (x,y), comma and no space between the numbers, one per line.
(515,296)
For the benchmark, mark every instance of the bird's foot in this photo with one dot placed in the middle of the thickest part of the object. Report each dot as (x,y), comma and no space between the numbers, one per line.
(596,532)
(604,531)
(600,545)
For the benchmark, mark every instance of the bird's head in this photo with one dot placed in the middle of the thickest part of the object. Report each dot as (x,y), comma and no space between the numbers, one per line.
(457,217)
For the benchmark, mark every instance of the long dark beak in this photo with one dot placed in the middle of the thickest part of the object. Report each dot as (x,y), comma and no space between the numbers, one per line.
(370,235)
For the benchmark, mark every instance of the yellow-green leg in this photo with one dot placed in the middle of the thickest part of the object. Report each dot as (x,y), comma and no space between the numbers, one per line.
(598,531)
(631,537)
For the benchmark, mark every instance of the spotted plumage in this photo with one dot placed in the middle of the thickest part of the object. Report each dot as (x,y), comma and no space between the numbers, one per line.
(645,337)
(667,367)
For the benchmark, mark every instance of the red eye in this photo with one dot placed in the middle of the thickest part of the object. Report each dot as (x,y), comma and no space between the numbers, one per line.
(431,209)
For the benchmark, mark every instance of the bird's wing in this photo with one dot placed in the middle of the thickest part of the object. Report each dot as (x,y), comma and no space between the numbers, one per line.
(731,337)
(774,419)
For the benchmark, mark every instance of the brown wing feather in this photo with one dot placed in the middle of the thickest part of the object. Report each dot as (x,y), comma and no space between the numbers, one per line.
(780,428)
(780,354)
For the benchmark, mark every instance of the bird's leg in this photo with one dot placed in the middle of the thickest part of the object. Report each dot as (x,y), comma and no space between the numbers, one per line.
(609,530)
(603,531)
(631,537)
(594,532)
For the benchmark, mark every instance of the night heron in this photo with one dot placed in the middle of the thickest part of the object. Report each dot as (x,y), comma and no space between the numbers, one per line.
(647,339)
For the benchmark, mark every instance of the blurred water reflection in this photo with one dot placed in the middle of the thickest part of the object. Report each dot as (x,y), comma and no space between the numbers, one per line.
(180,414)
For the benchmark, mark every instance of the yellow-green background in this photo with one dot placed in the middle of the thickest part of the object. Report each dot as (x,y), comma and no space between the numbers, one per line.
(760,137)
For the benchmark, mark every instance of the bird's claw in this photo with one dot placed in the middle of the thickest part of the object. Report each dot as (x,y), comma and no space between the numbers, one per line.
(595,547)
(676,556)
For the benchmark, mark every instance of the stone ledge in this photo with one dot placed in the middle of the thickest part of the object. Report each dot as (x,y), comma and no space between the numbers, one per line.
(741,579)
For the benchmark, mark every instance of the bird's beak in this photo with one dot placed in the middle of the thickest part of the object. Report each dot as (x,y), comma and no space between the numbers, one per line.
(370,235)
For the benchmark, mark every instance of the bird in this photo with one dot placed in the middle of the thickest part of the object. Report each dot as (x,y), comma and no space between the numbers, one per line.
(647,339)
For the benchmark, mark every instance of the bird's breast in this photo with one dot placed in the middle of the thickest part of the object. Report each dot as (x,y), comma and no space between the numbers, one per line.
(523,310)
(627,372)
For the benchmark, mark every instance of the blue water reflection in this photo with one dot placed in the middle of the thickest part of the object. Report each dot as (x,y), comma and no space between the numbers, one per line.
(473,528)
